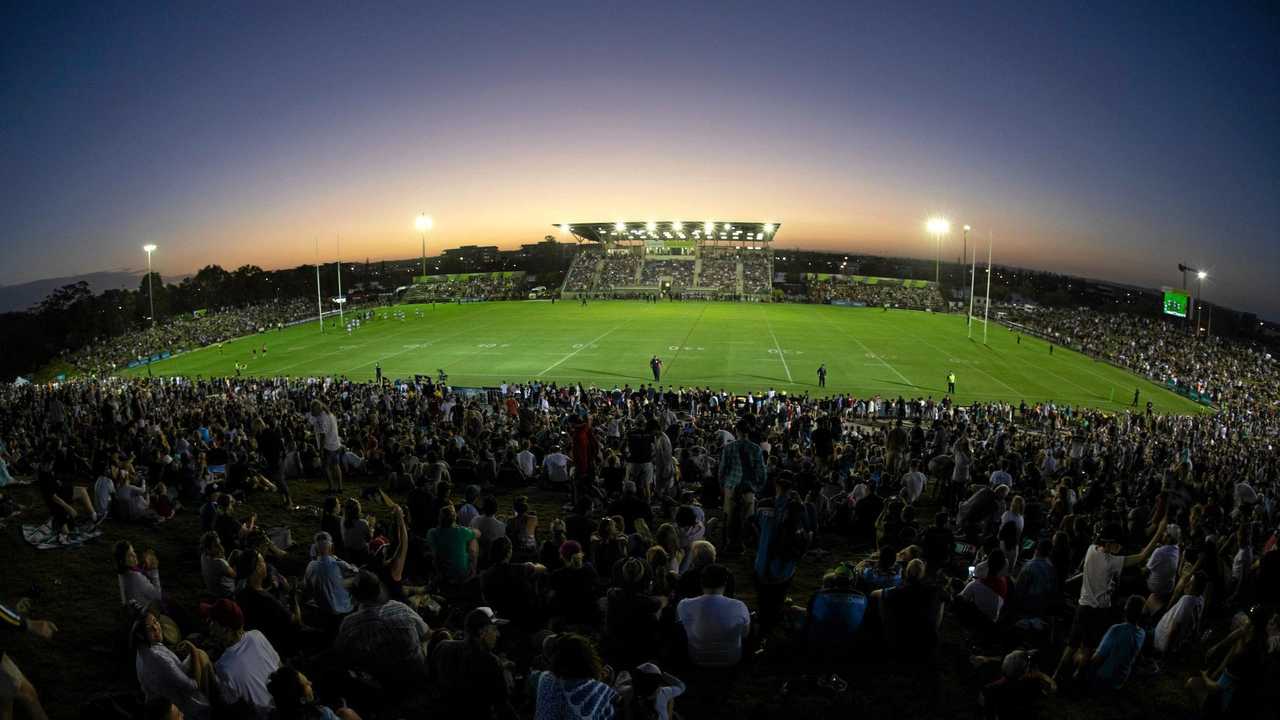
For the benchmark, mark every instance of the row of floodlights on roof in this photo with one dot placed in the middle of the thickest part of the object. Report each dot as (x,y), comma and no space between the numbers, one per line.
(708,228)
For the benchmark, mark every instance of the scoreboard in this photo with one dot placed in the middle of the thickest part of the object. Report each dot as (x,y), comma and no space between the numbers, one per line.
(1176,303)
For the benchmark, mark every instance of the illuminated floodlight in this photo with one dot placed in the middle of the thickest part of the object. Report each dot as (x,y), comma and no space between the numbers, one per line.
(651,226)
(620,226)
(709,228)
(423,223)
(677,226)
(1202,275)
(152,248)
(938,226)
(769,228)
(759,236)
(564,227)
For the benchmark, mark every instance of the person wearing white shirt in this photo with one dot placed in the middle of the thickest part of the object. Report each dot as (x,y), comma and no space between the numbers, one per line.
(1162,567)
(104,489)
(247,663)
(714,624)
(526,460)
(326,429)
(913,482)
(1182,622)
(556,467)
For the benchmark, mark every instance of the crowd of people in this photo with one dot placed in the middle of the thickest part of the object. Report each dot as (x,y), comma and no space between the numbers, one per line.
(1079,552)
(757,273)
(719,271)
(878,295)
(619,270)
(1241,378)
(680,272)
(187,333)
(477,286)
(582,270)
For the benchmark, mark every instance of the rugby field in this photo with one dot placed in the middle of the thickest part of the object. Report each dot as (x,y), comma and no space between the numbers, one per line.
(738,347)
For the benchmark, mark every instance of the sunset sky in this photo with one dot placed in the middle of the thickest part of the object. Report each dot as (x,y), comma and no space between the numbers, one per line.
(1113,141)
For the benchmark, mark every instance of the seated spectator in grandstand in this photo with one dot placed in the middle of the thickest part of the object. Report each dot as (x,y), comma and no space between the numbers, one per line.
(382,637)
(246,663)
(714,624)
(186,681)
(325,581)
(456,549)
(574,688)
(294,698)
(911,614)
(1116,654)
(219,576)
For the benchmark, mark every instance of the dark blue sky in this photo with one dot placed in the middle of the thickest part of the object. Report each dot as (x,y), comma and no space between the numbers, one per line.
(1113,141)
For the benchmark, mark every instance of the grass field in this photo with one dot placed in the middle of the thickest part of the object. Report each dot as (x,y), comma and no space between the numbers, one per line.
(739,347)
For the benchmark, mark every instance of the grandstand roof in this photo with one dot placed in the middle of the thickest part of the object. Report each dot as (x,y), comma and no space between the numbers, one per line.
(699,231)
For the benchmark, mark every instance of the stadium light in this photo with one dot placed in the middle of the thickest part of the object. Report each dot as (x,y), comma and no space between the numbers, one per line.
(564,227)
(1201,275)
(769,228)
(677,226)
(151,293)
(423,223)
(651,226)
(709,228)
(620,226)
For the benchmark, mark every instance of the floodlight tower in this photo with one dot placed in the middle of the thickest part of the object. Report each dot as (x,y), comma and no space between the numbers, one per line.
(938,227)
(423,223)
(151,295)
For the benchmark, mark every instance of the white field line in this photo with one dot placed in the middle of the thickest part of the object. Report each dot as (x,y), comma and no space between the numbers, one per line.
(575,352)
(975,367)
(868,351)
(782,356)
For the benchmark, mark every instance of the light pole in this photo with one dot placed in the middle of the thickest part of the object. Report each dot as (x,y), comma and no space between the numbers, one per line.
(1200,276)
(938,227)
(151,294)
(423,223)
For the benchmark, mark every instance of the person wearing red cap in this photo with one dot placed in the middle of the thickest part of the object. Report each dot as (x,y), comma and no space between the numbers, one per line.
(247,662)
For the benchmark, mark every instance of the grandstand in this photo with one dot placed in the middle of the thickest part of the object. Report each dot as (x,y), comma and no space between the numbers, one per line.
(507,285)
(860,290)
(672,258)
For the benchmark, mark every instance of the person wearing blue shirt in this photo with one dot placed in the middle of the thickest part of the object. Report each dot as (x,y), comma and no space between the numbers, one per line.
(1120,646)
(326,579)
(784,529)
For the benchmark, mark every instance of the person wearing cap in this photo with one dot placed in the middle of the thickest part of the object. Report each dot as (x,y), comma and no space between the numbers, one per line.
(187,682)
(1103,564)
(648,692)
(382,637)
(470,675)
(247,662)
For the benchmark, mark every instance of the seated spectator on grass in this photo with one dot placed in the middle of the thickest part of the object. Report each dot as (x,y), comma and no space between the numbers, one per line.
(648,692)
(510,588)
(575,687)
(522,531)
(701,554)
(325,581)
(1036,590)
(219,576)
(911,615)
(834,615)
(573,587)
(382,637)
(714,624)
(246,663)
(294,699)
(487,526)
(186,681)
(281,622)
(987,594)
(1180,624)
(474,681)
(139,580)
(456,549)
(631,506)
(1115,656)
(631,614)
